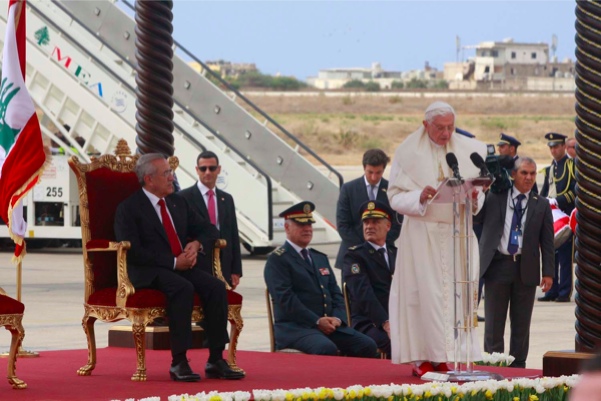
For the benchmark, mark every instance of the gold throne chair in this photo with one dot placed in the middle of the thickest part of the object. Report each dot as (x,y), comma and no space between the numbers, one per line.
(109,295)
(11,315)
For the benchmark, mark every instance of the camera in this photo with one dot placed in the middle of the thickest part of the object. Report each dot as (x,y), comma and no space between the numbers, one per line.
(500,167)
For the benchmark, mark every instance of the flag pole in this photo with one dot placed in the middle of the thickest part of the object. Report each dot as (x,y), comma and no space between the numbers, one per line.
(19,273)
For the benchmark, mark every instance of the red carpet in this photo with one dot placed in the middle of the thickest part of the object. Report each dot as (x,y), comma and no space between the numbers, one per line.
(53,375)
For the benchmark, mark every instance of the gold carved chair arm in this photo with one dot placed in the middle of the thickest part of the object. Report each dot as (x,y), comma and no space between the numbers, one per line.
(124,286)
(219,245)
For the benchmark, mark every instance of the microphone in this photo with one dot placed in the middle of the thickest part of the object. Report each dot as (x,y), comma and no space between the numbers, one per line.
(479,162)
(453,164)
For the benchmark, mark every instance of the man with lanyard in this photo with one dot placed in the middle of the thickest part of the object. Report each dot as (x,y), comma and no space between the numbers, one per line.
(517,234)
(559,188)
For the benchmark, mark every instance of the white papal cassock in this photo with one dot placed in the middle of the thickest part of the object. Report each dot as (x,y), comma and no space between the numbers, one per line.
(422,293)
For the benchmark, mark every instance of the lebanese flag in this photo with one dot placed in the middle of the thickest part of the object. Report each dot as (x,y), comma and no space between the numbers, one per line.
(22,154)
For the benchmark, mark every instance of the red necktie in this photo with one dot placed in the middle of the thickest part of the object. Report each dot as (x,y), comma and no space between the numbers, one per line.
(176,247)
(211,207)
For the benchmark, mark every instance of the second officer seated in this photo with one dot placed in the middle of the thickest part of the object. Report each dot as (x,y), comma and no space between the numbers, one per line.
(367,271)
(308,305)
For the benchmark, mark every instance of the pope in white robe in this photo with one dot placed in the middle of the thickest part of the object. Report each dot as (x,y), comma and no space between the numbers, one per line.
(422,293)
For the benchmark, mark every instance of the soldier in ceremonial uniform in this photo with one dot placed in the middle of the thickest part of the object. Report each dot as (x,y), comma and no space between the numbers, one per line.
(508,146)
(559,187)
(308,306)
(367,271)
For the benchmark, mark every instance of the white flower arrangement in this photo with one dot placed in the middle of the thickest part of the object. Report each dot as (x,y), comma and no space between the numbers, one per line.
(542,389)
(495,359)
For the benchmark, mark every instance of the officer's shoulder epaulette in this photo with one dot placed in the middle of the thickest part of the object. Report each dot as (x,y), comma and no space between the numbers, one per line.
(279,251)
(316,251)
(355,247)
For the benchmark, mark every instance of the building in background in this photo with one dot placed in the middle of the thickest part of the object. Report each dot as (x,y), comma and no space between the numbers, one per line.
(336,78)
(510,65)
(226,69)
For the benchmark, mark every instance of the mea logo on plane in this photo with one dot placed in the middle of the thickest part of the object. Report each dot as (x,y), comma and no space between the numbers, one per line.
(43,39)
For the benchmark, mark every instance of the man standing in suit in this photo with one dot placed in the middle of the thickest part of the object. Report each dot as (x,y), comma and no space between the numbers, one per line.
(367,271)
(308,306)
(217,206)
(560,189)
(356,192)
(517,230)
(165,236)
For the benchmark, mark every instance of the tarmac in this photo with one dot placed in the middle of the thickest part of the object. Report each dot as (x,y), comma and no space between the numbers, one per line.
(53,291)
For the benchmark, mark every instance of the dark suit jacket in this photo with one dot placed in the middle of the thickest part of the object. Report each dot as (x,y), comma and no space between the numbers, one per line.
(565,184)
(348,220)
(231,261)
(136,221)
(301,294)
(368,281)
(537,236)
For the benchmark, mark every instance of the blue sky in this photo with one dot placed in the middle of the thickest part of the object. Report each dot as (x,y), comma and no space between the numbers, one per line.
(300,37)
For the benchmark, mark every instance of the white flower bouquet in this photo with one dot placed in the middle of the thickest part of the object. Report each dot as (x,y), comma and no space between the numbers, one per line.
(495,359)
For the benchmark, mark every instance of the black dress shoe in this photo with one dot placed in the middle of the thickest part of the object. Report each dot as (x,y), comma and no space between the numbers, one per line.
(182,372)
(481,318)
(221,370)
(562,299)
(547,299)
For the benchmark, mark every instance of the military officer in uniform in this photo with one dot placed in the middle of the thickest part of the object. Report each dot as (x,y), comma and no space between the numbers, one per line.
(559,187)
(508,145)
(367,271)
(308,306)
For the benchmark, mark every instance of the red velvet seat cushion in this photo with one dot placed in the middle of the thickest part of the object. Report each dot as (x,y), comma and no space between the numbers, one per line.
(147,298)
(234,298)
(9,306)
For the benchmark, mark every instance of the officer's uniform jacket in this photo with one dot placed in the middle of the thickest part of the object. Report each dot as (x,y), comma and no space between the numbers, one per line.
(562,175)
(302,294)
(368,280)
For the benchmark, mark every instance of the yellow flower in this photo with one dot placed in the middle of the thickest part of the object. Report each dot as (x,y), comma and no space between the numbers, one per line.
(352,394)
(390,398)
(289,396)
(215,398)
(516,398)
(427,394)
(367,391)
(532,397)
(488,395)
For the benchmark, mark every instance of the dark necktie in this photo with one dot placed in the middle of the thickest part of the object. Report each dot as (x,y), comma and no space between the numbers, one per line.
(305,254)
(516,223)
(382,252)
(176,247)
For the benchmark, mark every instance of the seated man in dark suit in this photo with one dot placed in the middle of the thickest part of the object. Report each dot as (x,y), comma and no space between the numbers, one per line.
(308,305)
(165,236)
(367,271)
(218,207)
(370,186)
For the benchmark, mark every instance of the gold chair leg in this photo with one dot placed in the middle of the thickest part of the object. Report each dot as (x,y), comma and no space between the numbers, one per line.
(17,335)
(139,333)
(236,323)
(88,327)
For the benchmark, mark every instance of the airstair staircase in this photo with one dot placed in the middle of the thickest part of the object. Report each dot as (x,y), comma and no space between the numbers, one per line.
(80,72)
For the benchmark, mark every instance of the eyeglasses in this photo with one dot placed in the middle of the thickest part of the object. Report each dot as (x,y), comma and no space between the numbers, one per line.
(204,168)
(442,128)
